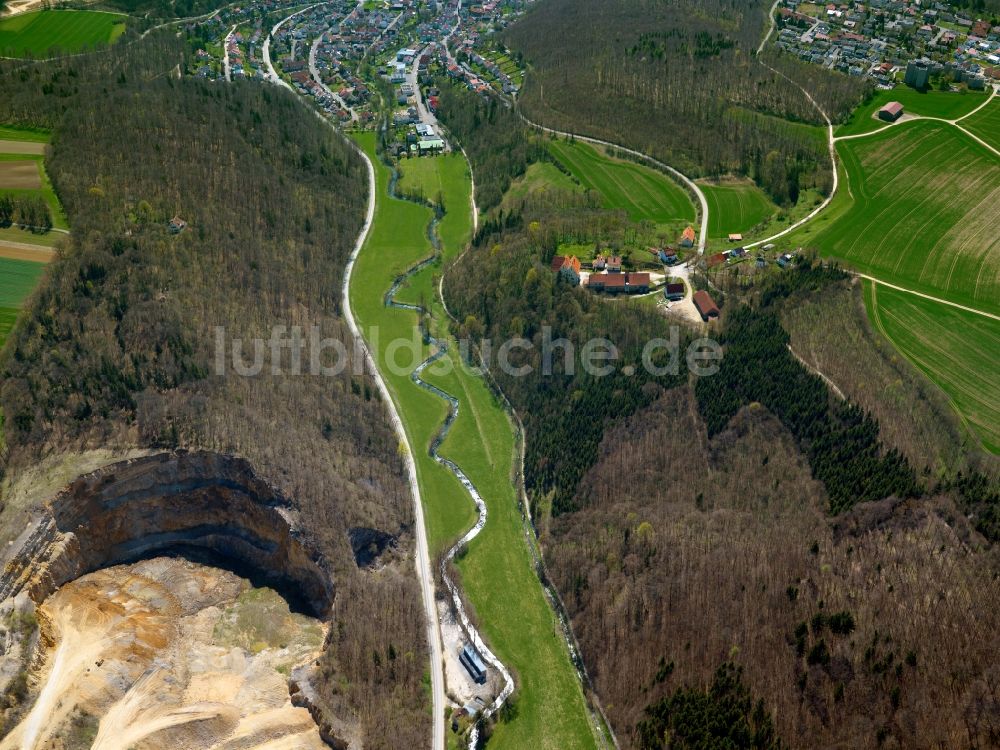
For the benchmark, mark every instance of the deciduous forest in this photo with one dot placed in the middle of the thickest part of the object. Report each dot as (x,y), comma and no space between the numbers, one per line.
(117,348)
(679,81)
(745,557)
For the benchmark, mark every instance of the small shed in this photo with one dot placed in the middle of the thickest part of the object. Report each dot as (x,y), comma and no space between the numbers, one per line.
(176,225)
(891,112)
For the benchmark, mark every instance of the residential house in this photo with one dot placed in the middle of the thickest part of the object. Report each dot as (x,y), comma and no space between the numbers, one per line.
(667,256)
(674,291)
(568,267)
(688,237)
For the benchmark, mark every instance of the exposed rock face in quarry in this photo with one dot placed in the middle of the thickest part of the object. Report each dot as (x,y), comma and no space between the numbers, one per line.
(165,502)
(166,654)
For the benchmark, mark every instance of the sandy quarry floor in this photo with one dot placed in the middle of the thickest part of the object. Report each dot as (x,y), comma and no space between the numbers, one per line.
(170,655)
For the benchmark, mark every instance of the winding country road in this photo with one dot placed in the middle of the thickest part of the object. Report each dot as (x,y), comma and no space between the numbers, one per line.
(691,184)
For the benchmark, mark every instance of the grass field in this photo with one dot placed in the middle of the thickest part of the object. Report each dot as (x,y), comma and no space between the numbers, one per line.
(498,576)
(956,349)
(946,104)
(642,192)
(986,123)
(735,207)
(538,178)
(920,209)
(41,32)
(29,135)
(17,280)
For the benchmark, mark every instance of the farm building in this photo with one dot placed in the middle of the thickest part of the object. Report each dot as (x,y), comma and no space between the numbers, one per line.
(614,264)
(674,291)
(176,225)
(784,260)
(473,663)
(637,283)
(716,260)
(600,263)
(736,237)
(629,283)
(706,307)
(688,237)
(891,112)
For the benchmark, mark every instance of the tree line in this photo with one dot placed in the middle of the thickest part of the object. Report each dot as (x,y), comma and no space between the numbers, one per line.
(31,211)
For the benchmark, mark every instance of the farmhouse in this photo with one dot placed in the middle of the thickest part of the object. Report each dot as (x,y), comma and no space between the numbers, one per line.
(706,307)
(687,237)
(667,255)
(614,264)
(473,663)
(891,112)
(568,267)
(600,263)
(674,291)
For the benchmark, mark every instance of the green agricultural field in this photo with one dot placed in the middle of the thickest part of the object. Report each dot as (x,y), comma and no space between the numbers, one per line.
(29,135)
(920,209)
(18,279)
(986,123)
(497,571)
(956,349)
(644,193)
(41,32)
(945,104)
(736,206)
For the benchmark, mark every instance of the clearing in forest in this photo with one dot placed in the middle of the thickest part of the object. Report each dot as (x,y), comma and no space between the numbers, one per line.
(644,193)
(735,206)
